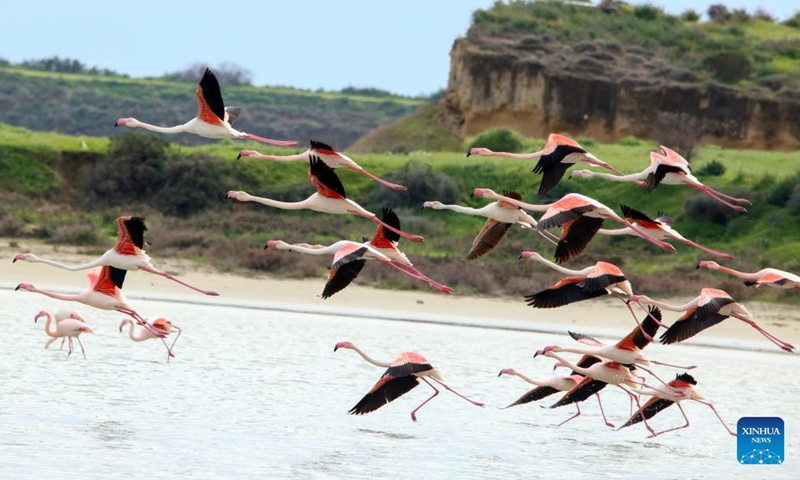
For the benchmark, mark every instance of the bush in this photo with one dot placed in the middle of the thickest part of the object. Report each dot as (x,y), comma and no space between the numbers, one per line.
(780,192)
(703,208)
(728,66)
(423,182)
(764,15)
(793,21)
(690,16)
(718,13)
(629,141)
(647,12)
(712,169)
(499,139)
(193,184)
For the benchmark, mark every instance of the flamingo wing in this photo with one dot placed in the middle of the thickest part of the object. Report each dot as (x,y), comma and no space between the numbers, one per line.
(586,340)
(586,361)
(322,148)
(710,304)
(637,339)
(635,216)
(488,238)
(656,177)
(348,253)
(552,167)
(665,219)
(575,236)
(602,276)
(386,390)
(325,179)
(770,278)
(211,108)
(580,392)
(556,216)
(688,326)
(562,293)
(407,368)
(232,113)
(340,277)
(534,395)
(510,194)
(385,238)
(109,280)
(649,410)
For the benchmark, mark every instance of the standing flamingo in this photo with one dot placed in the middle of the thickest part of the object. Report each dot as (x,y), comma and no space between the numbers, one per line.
(401,376)
(578,215)
(163,326)
(766,276)
(213,118)
(127,254)
(500,217)
(668,168)
(327,154)
(329,198)
(558,155)
(660,228)
(683,383)
(66,328)
(706,310)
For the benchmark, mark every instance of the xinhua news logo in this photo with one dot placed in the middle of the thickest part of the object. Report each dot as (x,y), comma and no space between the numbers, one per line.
(760,440)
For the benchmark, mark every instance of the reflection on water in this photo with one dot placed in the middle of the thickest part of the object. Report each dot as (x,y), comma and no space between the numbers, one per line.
(261,394)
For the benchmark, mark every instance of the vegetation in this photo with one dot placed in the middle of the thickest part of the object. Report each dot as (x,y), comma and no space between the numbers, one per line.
(416,132)
(500,139)
(55,189)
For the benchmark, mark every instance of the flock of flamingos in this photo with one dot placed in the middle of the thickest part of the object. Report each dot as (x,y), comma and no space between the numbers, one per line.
(579,217)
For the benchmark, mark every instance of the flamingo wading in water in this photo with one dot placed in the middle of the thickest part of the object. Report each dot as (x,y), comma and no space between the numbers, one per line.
(69,325)
(668,168)
(558,155)
(213,118)
(163,326)
(327,154)
(329,198)
(402,375)
(127,254)
(766,276)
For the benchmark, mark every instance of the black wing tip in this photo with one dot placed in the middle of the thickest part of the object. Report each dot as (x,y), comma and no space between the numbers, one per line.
(320,145)
(685,377)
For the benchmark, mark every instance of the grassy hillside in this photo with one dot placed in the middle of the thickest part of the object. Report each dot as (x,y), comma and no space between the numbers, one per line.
(54,188)
(81,104)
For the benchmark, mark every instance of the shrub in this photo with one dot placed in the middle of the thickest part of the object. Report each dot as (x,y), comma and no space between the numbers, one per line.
(629,141)
(780,192)
(499,139)
(712,169)
(740,15)
(647,12)
(193,183)
(718,13)
(728,66)
(793,21)
(706,209)
(423,182)
(690,16)
(764,15)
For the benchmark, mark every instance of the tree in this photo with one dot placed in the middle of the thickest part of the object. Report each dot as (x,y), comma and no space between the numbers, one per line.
(718,13)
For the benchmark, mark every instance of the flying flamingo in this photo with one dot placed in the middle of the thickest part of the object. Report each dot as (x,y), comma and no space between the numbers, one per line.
(579,216)
(706,310)
(500,217)
(595,281)
(329,198)
(213,118)
(163,326)
(401,376)
(660,228)
(668,168)
(327,154)
(683,383)
(558,155)
(68,327)
(127,254)
(766,276)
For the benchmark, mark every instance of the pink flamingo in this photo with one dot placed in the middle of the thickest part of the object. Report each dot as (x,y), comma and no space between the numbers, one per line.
(706,310)
(573,207)
(213,118)
(330,198)
(127,254)
(69,327)
(766,276)
(401,376)
(500,217)
(558,155)
(668,168)
(683,383)
(661,228)
(163,326)
(327,154)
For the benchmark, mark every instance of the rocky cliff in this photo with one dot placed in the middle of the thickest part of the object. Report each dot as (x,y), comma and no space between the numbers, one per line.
(537,85)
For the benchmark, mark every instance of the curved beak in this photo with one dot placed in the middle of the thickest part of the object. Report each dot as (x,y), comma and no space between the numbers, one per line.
(468,153)
(336,348)
(116,124)
(238,157)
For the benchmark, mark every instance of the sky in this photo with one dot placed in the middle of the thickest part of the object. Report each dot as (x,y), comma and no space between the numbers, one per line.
(401,46)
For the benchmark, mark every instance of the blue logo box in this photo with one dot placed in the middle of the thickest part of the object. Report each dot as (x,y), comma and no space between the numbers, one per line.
(760,441)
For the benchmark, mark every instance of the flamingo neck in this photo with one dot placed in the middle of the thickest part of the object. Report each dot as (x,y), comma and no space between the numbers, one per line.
(135,337)
(278,204)
(57,296)
(529,379)
(666,306)
(370,359)
(559,268)
(564,362)
(50,333)
(72,268)
(620,178)
(307,249)
(519,156)
(155,128)
(523,205)
(300,157)
(616,231)
(736,273)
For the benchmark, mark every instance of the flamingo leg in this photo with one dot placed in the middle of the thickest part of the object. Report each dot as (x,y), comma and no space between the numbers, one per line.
(639,406)
(82,349)
(63,339)
(658,243)
(374,218)
(630,309)
(280,143)
(602,412)
(70,346)
(711,405)
(726,256)
(577,414)
(708,191)
(638,365)
(391,185)
(414,273)
(171,347)
(780,343)
(170,277)
(549,236)
(435,392)
(717,193)
(477,404)
(690,367)
(674,428)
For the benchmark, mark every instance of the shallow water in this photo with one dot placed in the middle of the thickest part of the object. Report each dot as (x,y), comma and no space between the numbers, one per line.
(255,393)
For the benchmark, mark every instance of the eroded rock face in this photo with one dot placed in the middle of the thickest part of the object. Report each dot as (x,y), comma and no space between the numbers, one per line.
(607,91)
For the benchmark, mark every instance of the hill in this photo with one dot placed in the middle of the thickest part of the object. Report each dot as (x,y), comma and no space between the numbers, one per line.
(83,104)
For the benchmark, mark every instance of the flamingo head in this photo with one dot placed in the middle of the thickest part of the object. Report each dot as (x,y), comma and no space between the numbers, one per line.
(596,162)
(580,174)
(39,315)
(24,286)
(432,204)
(272,244)
(527,254)
(483,152)
(236,195)
(343,345)
(708,264)
(123,323)
(247,153)
(22,257)
(544,351)
(485,193)
(127,122)
(507,371)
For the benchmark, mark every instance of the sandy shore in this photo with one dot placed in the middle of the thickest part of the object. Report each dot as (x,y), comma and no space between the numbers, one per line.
(604,314)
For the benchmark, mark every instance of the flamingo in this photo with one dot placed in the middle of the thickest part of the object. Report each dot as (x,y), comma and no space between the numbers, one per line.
(64,314)
(579,216)
(706,310)
(668,168)
(213,118)
(127,254)
(598,280)
(163,326)
(104,294)
(683,383)
(401,376)
(382,247)
(68,327)
(500,217)
(327,154)
(329,198)
(558,155)
(660,228)
(766,276)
